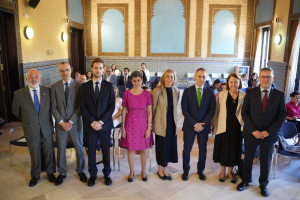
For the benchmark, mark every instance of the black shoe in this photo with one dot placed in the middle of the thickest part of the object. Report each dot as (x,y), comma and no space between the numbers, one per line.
(264,191)
(221,179)
(168,177)
(131,179)
(60,180)
(201,176)
(185,176)
(51,177)
(242,186)
(144,178)
(91,181)
(161,177)
(33,181)
(83,177)
(108,180)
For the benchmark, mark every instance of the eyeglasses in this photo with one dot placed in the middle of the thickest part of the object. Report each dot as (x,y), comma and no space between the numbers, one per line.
(266,77)
(136,81)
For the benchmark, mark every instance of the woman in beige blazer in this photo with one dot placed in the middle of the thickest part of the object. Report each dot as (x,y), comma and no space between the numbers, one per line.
(165,101)
(228,127)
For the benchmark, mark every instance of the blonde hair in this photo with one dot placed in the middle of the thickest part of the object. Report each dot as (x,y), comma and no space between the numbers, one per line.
(163,77)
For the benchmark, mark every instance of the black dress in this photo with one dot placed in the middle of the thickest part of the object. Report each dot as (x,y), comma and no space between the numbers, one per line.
(166,147)
(228,145)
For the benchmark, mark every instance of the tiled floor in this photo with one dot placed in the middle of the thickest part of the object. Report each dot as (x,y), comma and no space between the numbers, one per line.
(14,180)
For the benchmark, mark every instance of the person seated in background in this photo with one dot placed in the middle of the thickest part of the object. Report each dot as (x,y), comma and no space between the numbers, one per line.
(255,83)
(221,88)
(215,86)
(115,71)
(253,76)
(82,79)
(89,76)
(77,76)
(293,110)
(244,80)
(110,77)
(145,79)
(125,80)
(147,73)
(155,84)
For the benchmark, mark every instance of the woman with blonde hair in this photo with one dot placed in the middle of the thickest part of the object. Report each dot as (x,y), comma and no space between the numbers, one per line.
(228,126)
(164,114)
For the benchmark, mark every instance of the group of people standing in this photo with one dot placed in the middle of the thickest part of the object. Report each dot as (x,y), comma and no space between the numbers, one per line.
(90,109)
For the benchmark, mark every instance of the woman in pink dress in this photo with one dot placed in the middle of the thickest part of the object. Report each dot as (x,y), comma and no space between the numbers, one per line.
(136,126)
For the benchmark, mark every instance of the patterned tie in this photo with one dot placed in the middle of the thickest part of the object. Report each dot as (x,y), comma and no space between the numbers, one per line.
(36,101)
(66,93)
(265,100)
(199,97)
(97,92)
(125,81)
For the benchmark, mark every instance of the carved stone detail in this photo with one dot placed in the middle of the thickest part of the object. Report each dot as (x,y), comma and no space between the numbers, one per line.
(184,3)
(137,27)
(88,28)
(249,28)
(199,23)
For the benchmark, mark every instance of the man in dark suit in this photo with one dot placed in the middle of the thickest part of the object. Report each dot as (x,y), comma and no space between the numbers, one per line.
(110,77)
(97,104)
(68,121)
(198,108)
(31,104)
(125,80)
(263,114)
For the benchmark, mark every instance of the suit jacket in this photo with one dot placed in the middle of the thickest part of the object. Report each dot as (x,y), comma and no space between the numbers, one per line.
(254,118)
(33,122)
(194,114)
(61,110)
(113,79)
(122,83)
(95,112)
(159,109)
(219,120)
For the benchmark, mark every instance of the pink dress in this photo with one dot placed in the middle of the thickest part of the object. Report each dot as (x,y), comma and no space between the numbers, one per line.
(136,122)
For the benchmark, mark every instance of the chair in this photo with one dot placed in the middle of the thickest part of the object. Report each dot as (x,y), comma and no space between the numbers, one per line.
(159,74)
(152,74)
(122,89)
(289,131)
(116,136)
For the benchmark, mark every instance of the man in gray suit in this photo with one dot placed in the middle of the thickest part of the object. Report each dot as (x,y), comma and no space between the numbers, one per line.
(31,104)
(68,121)
(110,77)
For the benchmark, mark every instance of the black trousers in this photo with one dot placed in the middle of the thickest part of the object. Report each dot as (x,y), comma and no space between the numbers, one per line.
(104,137)
(188,139)
(265,147)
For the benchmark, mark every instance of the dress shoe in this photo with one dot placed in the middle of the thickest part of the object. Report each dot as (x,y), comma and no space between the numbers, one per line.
(161,177)
(83,177)
(185,176)
(168,177)
(51,177)
(60,180)
(108,180)
(221,179)
(91,181)
(242,186)
(33,181)
(130,179)
(144,178)
(264,191)
(201,176)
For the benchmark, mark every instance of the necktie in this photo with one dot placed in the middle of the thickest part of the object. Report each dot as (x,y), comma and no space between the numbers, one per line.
(66,93)
(97,92)
(125,81)
(199,97)
(36,101)
(265,100)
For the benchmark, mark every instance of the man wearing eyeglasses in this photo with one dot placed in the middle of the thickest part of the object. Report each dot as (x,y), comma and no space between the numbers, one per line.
(263,114)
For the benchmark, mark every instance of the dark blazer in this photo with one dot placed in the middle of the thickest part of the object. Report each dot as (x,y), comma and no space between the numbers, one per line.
(33,122)
(122,83)
(254,118)
(94,112)
(194,114)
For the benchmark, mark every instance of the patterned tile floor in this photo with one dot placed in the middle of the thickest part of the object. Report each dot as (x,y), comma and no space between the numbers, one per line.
(14,180)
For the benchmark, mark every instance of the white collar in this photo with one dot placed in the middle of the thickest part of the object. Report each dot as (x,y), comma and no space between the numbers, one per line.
(94,81)
(262,89)
(199,87)
(37,89)
(68,81)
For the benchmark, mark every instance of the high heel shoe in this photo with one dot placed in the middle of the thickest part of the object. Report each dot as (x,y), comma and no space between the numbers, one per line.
(221,179)
(144,178)
(131,179)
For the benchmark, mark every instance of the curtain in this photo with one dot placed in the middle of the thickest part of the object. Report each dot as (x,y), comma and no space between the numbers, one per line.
(293,62)
(258,52)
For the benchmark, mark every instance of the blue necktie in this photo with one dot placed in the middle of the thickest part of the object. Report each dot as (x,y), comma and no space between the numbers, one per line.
(36,101)
(66,93)
(97,92)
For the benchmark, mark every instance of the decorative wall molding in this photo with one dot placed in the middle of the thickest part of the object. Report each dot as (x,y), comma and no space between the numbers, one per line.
(249,28)
(88,28)
(13,6)
(137,27)
(150,7)
(199,24)
(213,10)
(101,9)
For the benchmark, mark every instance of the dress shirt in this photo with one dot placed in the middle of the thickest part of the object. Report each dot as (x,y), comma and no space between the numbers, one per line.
(292,110)
(263,94)
(197,87)
(94,86)
(108,78)
(65,85)
(37,92)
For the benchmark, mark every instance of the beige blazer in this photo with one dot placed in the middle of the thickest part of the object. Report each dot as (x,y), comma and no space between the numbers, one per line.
(159,109)
(219,120)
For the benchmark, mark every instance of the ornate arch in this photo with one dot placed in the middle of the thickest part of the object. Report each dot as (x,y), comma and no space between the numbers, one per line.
(223,10)
(213,10)
(184,3)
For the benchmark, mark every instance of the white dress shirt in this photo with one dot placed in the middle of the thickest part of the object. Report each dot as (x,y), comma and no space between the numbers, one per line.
(108,78)
(263,94)
(66,82)
(37,92)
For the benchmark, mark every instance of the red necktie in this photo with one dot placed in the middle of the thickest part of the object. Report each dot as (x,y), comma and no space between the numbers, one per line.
(265,100)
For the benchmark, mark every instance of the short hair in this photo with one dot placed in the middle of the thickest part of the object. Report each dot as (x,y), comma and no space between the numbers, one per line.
(62,63)
(223,84)
(143,64)
(163,77)
(108,68)
(293,94)
(136,74)
(255,80)
(267,70)
(200,69)
(126,68)
(78,72)
(234,75)
(97,60)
